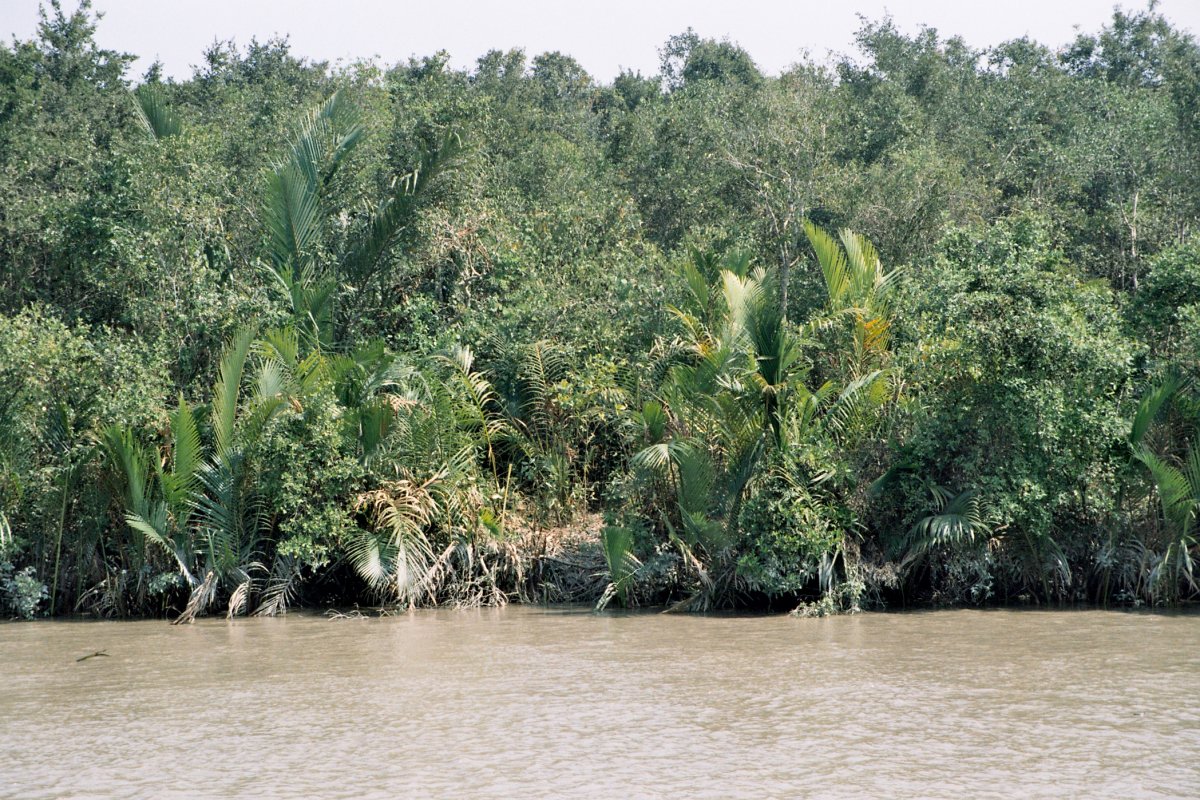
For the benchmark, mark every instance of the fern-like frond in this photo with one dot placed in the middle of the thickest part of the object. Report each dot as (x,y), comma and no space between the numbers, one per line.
(397,211)
(292,215)
(833,264)
(652,421)
(368,553)
(660,456)
(541,367)
(154,113)
(741,293)
(1178,497)
(617,544)
(227,391)
(1149,407)
(404,510)
(129,459)
(282,586)
(957,521)
(186,454)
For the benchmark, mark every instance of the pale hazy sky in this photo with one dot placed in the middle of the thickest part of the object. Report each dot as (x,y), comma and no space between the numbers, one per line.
(602,35)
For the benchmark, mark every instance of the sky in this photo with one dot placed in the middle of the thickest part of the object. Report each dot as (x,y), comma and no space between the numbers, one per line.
(603,36)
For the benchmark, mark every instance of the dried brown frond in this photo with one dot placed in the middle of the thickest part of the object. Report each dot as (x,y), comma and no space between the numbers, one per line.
(202,597)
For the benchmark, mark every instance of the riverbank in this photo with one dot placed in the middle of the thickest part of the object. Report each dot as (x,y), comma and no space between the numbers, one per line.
(564,567)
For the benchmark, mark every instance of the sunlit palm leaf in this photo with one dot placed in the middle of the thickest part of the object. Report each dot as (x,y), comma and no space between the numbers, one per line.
(833,264)
(186,454)
(617,543)
(227,391)
(154,113)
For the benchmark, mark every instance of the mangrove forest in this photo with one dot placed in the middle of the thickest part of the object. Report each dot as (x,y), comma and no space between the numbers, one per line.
(917,324)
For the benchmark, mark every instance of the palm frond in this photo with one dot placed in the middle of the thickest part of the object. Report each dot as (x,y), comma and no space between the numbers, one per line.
(738,261)
(259,415)
(699,297)
(239,598)
(130,461)
(1177,494)
(282,586)
(405,559)
(617,544)
(329,133)
(292,215)
(859,402)
(478,414)
(397,211)
(271,381)
(227,391)
(186,453)
(741,293)
(833,264)
(659,456)
(652,420)
(957,521)
(1150,406)
(369,425)
(281,344)
(542,366)
(368,553)
(697,479)
(219,512)
(153,527)
(1191,473)
(743,463)
(154,113)
(201,599)
(862,263)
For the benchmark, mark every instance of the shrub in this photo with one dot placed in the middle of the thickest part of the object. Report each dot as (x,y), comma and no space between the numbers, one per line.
(21,593)
(786,530)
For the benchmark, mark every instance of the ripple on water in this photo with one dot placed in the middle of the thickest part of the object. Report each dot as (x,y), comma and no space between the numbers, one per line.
(527,703)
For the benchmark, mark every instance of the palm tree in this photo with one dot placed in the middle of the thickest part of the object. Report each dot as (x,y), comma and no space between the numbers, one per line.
(298,206)
(429,535)
(737,389)
(857,287)
(623,565)
(1176,480)
(203,509)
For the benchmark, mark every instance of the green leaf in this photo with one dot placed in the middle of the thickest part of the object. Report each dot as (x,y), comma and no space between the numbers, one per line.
(154,114)
(227,390)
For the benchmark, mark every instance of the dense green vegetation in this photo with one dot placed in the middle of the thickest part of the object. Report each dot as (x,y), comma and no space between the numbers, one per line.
(921,325)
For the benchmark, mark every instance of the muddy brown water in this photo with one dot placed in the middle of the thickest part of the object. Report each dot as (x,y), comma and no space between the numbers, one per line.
(526,703)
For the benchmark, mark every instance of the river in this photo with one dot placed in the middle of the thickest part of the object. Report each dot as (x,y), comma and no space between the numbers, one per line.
(529,703)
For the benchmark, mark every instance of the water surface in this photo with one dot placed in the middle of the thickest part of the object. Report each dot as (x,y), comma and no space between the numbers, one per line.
(529,703)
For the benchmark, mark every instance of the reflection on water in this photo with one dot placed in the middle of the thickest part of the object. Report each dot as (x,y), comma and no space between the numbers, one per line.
(529,703)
